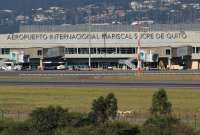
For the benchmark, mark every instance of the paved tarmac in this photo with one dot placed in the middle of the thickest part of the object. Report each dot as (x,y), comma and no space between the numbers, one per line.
(95,83)
(98,83)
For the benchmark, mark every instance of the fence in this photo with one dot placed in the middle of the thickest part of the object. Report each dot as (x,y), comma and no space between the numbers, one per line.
(138,117)
(134,117)
(18,116)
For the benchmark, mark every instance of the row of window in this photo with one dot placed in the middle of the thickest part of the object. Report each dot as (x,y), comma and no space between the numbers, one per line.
(94,51)
(101,50)
(5,51)
(195,49)
(106,51)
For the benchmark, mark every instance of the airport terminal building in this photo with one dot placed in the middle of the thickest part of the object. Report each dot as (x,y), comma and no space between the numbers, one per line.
(162,46)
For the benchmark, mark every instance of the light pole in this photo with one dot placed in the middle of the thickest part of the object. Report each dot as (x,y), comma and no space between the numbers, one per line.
(89,51)
(138,47)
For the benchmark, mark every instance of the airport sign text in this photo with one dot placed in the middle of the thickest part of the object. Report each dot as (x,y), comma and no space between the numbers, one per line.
(97,36)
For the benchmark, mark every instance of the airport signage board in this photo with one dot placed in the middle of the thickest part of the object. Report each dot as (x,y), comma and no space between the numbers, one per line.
(98,39)
(98,36)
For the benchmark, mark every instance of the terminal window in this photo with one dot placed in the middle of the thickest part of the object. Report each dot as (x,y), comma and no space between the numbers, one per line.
(110,50)
(127,51)
(39,52)
(70,50)
(101,50)
(193,50)
(198,50)
(83,50)
(5,51)
(93,50)
(167,51)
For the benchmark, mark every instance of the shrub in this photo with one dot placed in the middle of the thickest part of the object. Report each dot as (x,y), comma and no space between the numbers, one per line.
(110,128)
(159,125)
(18,128)
(75,119)
(86,130)
(5,124)
(183,129)
(46,120)
(123,128)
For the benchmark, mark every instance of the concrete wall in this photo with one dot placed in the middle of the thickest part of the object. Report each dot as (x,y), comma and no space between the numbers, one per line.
(33,52)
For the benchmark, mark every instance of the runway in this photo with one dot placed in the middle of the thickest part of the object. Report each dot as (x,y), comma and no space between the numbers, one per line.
(98,83)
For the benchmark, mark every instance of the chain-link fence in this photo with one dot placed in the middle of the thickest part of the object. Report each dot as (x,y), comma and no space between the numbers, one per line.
(134,117)
(18,116)
(138,117)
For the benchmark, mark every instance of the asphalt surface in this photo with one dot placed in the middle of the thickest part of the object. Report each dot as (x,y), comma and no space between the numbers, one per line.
(98,83)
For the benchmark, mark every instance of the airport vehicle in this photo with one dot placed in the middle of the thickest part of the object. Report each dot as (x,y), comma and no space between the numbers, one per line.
(175,67)
(49,65)
(110,68)
(9,66)
(61,67)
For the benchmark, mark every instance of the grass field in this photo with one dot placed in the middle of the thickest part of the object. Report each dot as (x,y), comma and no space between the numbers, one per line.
(24,99)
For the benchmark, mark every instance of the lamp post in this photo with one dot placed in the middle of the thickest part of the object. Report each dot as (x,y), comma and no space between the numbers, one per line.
(138,47)
(89,51)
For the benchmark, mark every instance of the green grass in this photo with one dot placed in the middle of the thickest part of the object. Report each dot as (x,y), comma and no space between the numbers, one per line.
(24,99)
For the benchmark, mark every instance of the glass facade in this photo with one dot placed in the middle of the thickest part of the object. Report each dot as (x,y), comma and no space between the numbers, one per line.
(100,50)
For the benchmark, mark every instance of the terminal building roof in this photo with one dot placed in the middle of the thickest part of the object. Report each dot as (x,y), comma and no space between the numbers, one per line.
(108,28)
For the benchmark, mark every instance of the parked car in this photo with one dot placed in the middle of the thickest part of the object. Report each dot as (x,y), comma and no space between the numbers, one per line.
(17,67)
(61,67)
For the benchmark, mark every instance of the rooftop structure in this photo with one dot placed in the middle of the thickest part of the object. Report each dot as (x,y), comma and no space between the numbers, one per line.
(108,28)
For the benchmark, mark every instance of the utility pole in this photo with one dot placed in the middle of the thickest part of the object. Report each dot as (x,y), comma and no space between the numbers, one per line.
(138,47)
(89,20)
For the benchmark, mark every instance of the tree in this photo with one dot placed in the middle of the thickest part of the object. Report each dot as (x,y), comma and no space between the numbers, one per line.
(159,125)
(111,105)
(160,103)
(160,122)
(98,113)
(104,109)
(46,120)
